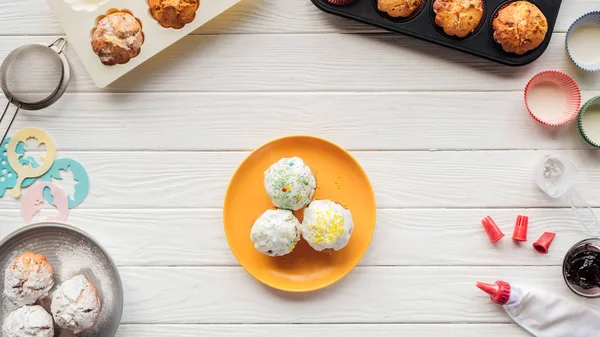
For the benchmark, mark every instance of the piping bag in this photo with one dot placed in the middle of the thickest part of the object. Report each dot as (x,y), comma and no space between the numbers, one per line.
(544,314)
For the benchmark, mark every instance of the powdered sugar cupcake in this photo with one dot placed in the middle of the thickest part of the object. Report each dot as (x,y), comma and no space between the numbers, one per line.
(76,305)
(28,321)
(28,278)
(327,226)
(290,183)
(276,232)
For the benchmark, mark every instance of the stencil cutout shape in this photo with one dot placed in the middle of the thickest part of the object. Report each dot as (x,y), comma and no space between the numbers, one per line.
(80,175)
(8,177)
(34,197)
(27,171)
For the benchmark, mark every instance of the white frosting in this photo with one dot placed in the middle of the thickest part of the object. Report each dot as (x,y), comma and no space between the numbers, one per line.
(327,225)
(290,183)
(28,321)
(75,304)
(591,123)
(26,281)
(276,232)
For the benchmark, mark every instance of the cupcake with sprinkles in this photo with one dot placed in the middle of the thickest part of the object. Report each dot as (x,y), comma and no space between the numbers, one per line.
(327,226)
(290,184)
(276,232)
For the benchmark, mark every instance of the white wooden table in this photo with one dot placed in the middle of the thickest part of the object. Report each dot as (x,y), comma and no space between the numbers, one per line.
(444,137)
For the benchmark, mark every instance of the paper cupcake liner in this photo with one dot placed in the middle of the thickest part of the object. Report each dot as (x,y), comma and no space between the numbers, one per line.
(580,122)
(501,8)
(341,2)
(567,84)
(589,19)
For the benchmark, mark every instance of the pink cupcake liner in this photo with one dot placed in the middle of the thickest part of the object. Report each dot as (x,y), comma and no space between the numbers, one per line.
(341,2)
(568,85)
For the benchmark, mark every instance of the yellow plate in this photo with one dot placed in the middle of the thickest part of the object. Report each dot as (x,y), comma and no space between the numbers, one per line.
(339,178)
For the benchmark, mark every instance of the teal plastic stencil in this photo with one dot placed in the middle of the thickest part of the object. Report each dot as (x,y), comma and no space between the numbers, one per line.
(8,177)
(80,175)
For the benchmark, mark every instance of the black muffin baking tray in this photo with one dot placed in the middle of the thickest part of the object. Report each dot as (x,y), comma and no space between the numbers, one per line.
(422,25)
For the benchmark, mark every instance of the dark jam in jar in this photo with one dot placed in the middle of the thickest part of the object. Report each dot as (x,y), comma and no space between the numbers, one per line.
(582,267)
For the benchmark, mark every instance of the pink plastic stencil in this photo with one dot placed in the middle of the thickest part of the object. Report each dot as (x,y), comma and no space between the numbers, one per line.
(34,197)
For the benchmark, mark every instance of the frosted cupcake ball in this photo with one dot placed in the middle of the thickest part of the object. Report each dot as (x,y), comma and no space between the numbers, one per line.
(28,278)
(276,232)
(290,183)
(326,226)
(76,305)
(28,321)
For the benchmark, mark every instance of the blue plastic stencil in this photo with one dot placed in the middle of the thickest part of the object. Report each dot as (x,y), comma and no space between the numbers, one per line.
(80,175)
(8,177)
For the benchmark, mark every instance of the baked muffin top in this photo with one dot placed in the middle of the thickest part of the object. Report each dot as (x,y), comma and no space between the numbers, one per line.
(399,8)
(174,13)
(118,38)
(458,17)
(520,27)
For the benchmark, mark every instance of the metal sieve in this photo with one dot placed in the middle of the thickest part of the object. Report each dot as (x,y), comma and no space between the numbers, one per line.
(33,77)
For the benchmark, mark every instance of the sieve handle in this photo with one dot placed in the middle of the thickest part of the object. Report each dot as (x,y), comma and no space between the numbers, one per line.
(63,43)
(11,121)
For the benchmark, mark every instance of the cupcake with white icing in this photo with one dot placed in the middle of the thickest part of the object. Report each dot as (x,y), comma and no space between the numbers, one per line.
(276,232)
(76,305)
(290,184)
(28,321)
(327,226)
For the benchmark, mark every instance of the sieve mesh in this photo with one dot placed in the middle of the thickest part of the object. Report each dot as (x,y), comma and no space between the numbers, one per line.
(31,74)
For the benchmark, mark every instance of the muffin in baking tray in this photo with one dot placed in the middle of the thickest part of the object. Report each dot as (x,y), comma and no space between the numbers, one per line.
(173,13)
(399,8)
(28,278)
(117,38)
(519,27)
(458,17)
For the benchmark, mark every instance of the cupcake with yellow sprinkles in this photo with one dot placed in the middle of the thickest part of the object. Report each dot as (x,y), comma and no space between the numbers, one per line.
(276,232)
(327,226)
(290,184)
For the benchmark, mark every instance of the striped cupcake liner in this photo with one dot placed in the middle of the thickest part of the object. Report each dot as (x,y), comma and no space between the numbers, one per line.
(570,88)
(581,124)
(341,2)
(589,19)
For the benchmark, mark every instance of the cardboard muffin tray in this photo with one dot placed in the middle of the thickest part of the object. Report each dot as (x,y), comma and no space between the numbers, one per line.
(422,25)
(80,17)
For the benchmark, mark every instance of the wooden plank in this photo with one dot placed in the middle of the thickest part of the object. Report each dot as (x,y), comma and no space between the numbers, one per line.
(410,179)
(393,295)
(433,237)
(244,121)
(34,17)
(318,330)
(308,62)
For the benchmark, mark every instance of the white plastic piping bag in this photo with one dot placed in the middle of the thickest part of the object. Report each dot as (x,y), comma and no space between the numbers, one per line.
(544,314)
